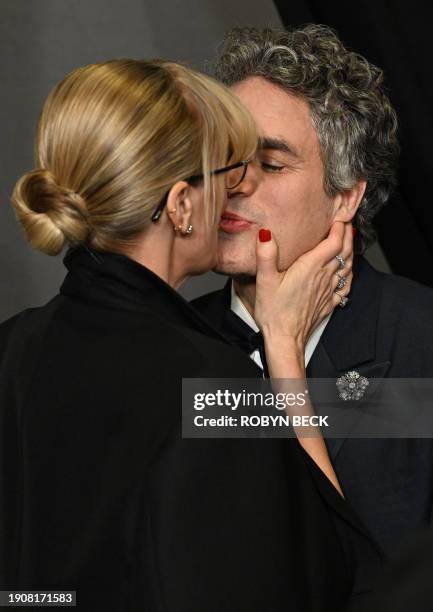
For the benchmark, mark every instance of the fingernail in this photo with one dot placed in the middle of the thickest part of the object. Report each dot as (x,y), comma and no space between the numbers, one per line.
(265,235)
(354,231)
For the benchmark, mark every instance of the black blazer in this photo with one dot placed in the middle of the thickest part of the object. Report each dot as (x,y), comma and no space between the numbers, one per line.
(99,492)
(386,330)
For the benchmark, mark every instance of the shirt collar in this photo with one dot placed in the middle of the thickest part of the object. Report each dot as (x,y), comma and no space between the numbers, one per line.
(240,309)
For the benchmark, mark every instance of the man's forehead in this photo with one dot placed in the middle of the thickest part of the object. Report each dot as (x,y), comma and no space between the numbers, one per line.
(271,99)
(281,117)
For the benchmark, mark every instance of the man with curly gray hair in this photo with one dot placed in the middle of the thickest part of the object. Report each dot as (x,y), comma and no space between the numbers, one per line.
(328,152)
(325,111)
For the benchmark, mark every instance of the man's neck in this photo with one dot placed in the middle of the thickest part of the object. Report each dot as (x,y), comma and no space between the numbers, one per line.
(246,290)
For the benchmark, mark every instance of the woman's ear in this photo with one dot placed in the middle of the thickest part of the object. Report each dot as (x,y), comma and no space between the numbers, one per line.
(346,202)
(179,206)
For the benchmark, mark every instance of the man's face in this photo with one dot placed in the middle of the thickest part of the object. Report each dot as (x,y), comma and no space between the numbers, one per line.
(283,190)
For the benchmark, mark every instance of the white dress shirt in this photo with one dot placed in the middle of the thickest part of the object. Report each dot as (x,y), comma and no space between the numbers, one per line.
(239,308)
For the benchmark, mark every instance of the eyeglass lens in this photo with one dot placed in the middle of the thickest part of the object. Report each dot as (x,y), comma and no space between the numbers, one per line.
(236,176)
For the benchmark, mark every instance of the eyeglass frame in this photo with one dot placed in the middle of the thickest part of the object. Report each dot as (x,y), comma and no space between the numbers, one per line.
(196,177)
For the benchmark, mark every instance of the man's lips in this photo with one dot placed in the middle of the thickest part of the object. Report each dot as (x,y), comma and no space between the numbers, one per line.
(233,223)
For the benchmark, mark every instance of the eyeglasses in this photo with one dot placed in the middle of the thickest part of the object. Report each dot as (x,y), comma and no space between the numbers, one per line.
(235,175)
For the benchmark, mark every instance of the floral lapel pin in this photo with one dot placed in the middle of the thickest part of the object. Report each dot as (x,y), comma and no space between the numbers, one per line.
(352,385)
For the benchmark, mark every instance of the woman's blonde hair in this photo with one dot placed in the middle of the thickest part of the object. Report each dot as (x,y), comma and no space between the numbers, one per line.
(113,138)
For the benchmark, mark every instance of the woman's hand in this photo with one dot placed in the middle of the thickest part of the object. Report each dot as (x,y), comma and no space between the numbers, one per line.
(290,304)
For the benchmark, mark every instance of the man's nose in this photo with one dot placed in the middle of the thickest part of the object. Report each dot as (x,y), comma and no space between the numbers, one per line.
(248,184)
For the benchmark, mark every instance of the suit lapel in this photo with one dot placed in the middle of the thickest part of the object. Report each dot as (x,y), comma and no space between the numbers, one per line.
(349,342)
(353,410)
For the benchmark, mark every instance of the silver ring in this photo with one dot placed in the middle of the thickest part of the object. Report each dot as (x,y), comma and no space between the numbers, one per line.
(341,261)
(342,281)
(343,299)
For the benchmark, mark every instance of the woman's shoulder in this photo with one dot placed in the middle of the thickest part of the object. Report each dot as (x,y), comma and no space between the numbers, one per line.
(7,328)
(26,324)
(143,336)
(219,358)
(196,354)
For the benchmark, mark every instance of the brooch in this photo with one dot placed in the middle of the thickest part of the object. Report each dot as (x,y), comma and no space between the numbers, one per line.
(352,385)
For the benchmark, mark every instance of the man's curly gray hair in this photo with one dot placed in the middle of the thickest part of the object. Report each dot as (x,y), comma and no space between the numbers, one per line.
(354,120)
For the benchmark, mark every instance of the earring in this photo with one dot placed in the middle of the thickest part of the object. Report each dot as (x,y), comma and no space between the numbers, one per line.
(188,230)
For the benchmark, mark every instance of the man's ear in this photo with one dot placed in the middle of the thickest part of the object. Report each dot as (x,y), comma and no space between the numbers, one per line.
(346,203)
(179,206)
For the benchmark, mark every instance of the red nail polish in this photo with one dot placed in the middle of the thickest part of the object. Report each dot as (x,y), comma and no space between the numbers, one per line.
(265,235)
(354,231)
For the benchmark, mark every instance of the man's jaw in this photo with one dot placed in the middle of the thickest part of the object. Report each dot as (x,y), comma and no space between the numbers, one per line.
(233,260)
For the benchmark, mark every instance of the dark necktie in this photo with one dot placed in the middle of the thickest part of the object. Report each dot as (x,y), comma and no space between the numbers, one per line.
(241,334)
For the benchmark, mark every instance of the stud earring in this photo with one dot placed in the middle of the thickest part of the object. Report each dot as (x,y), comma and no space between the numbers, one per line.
(189,230)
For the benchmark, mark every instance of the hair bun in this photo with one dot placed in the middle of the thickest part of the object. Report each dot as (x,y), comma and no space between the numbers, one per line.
(51,215)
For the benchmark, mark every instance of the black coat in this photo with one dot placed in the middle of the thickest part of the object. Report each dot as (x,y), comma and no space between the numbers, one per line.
(100,493)
(406,582)
(386,330)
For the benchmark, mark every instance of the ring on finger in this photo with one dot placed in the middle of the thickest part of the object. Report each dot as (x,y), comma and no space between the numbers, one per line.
(342,280)
(343,298)
(341,261)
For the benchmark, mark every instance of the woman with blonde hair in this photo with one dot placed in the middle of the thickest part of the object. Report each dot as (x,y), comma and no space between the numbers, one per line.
(99,492)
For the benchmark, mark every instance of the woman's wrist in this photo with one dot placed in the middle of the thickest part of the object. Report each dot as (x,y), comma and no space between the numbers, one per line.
(285,356)
(278,342)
